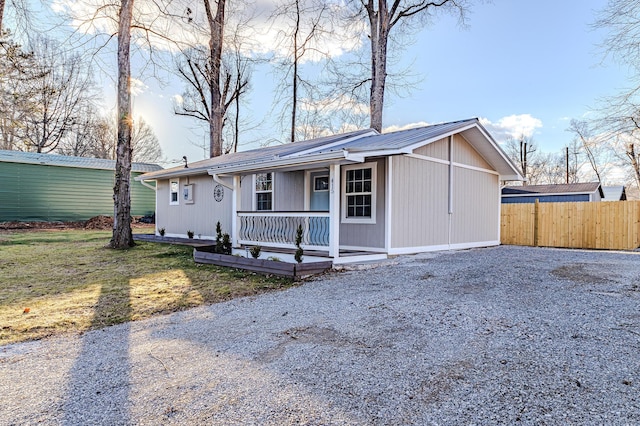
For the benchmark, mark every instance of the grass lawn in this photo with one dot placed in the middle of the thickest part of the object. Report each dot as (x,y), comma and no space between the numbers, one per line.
(54,282)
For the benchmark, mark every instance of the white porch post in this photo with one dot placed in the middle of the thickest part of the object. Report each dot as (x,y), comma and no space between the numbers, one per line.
(235,202)
(334,211)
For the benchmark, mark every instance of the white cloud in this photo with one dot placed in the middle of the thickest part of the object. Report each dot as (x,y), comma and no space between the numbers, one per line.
(137,87)
(512,126)
(396,128)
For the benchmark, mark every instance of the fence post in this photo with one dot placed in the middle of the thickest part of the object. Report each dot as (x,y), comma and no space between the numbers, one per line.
(536,223)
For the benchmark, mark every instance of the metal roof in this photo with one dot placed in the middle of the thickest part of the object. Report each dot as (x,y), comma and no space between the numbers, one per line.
(68,161)
(569,188)
(257,155)
(350,147)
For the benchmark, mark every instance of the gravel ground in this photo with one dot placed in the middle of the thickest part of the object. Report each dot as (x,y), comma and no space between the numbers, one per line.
(505,335)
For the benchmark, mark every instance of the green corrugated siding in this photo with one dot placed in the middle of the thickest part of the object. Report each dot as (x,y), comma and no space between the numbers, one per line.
(30,192)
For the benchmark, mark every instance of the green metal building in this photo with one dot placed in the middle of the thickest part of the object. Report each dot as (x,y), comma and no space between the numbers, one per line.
(47,187)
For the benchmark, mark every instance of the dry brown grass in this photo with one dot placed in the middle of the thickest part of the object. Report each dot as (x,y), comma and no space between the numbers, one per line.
(54,282)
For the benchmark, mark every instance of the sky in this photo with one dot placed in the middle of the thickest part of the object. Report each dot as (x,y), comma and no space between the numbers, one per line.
(522,67)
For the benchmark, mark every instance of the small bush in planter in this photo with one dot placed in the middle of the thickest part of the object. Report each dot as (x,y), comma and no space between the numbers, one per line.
(255,251)
(161,232)
(190,233)
(298,255)
(226,244)
(219,248)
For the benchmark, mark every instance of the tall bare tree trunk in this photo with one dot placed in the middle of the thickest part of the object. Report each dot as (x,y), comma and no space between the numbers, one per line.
(631,153)
(216,27)
(1,13)
(379,21)
(122,235)
(294,86)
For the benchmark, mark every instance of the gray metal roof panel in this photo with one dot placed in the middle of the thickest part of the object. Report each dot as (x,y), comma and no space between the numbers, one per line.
(69,161)
(585,188)
(254,156)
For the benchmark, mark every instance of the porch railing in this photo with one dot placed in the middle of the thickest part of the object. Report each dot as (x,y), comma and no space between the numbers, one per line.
(279,228)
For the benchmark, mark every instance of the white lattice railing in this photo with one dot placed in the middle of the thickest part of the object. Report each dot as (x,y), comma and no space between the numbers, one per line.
(279,229)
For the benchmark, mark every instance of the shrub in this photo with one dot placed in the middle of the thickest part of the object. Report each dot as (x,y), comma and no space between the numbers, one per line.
(255,251)
(226,244)
(298,255)
(190,233)
(219,248)
(161,232)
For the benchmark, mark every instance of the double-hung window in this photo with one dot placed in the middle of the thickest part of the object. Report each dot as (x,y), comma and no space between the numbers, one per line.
(264,191)
(174,188)
(359,194)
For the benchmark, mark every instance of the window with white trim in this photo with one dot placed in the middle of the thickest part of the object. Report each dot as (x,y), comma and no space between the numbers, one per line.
(359,199)
(174,188)
(264,191)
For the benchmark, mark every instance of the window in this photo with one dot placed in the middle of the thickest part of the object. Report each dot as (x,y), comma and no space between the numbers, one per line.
(264,191)
(358,203)
(174,187)
(320,183)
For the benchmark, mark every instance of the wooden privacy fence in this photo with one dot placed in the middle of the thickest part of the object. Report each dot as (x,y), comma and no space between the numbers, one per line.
(603,225)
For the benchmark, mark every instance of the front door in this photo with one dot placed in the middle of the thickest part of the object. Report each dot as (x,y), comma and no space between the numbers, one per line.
(319,199)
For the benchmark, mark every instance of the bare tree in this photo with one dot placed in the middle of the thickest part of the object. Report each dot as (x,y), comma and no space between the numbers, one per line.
(122,236)
(62,89)
(591,146)
(194,67)
(619,121)
(216,37)
(523,152)
(383,17)
(303,27)
(17,100)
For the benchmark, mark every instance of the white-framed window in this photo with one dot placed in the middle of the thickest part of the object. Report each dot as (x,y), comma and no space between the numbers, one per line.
(264,191)
(321,183)
(174,189)
(359,193)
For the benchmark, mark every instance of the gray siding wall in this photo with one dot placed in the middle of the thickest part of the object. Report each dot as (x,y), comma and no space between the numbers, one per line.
(246,193)
(465,154)
(201,216)
(420,198)
(419,203)
(289,191)
(476,206)
(438,149)
(368,235)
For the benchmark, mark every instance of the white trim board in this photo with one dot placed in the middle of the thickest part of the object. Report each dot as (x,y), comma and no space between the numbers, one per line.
(460,165)
(442,247)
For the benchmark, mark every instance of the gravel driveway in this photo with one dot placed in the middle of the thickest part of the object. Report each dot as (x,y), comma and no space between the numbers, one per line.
(505,335)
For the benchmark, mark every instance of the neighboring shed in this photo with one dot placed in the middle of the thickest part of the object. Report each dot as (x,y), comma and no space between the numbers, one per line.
(47,187)
(614,193)
(591,191)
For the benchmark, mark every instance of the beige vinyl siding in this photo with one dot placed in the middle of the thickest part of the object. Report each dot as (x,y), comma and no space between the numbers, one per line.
(289,191)
(476,208)
(438,149)
(201,216)
(368,234)
(419,203)
(464,153)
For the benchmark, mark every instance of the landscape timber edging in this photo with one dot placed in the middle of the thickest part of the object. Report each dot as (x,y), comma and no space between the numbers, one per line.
(286,269)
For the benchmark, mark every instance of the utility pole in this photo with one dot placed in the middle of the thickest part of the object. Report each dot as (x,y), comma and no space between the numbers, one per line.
(567,158)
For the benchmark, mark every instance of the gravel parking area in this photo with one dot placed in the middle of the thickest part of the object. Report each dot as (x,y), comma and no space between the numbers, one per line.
(505,335)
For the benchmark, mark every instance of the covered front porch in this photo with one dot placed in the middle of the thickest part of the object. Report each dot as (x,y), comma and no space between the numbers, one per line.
(269,206)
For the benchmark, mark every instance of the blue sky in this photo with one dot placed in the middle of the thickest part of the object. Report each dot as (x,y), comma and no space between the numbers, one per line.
(521,66)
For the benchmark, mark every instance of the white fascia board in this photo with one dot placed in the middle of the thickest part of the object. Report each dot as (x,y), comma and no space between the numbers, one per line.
(500,151)
(173,174)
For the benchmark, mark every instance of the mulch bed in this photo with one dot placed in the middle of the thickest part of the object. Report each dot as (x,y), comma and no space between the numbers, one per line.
(95,223)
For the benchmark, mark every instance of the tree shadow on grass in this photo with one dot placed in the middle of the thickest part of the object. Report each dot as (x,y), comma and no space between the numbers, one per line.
(99,383)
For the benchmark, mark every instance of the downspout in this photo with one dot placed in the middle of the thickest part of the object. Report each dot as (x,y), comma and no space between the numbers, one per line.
(143,182)
(450,189)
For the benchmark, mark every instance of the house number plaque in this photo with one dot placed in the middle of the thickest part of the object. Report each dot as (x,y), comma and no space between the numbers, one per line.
(218,193)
